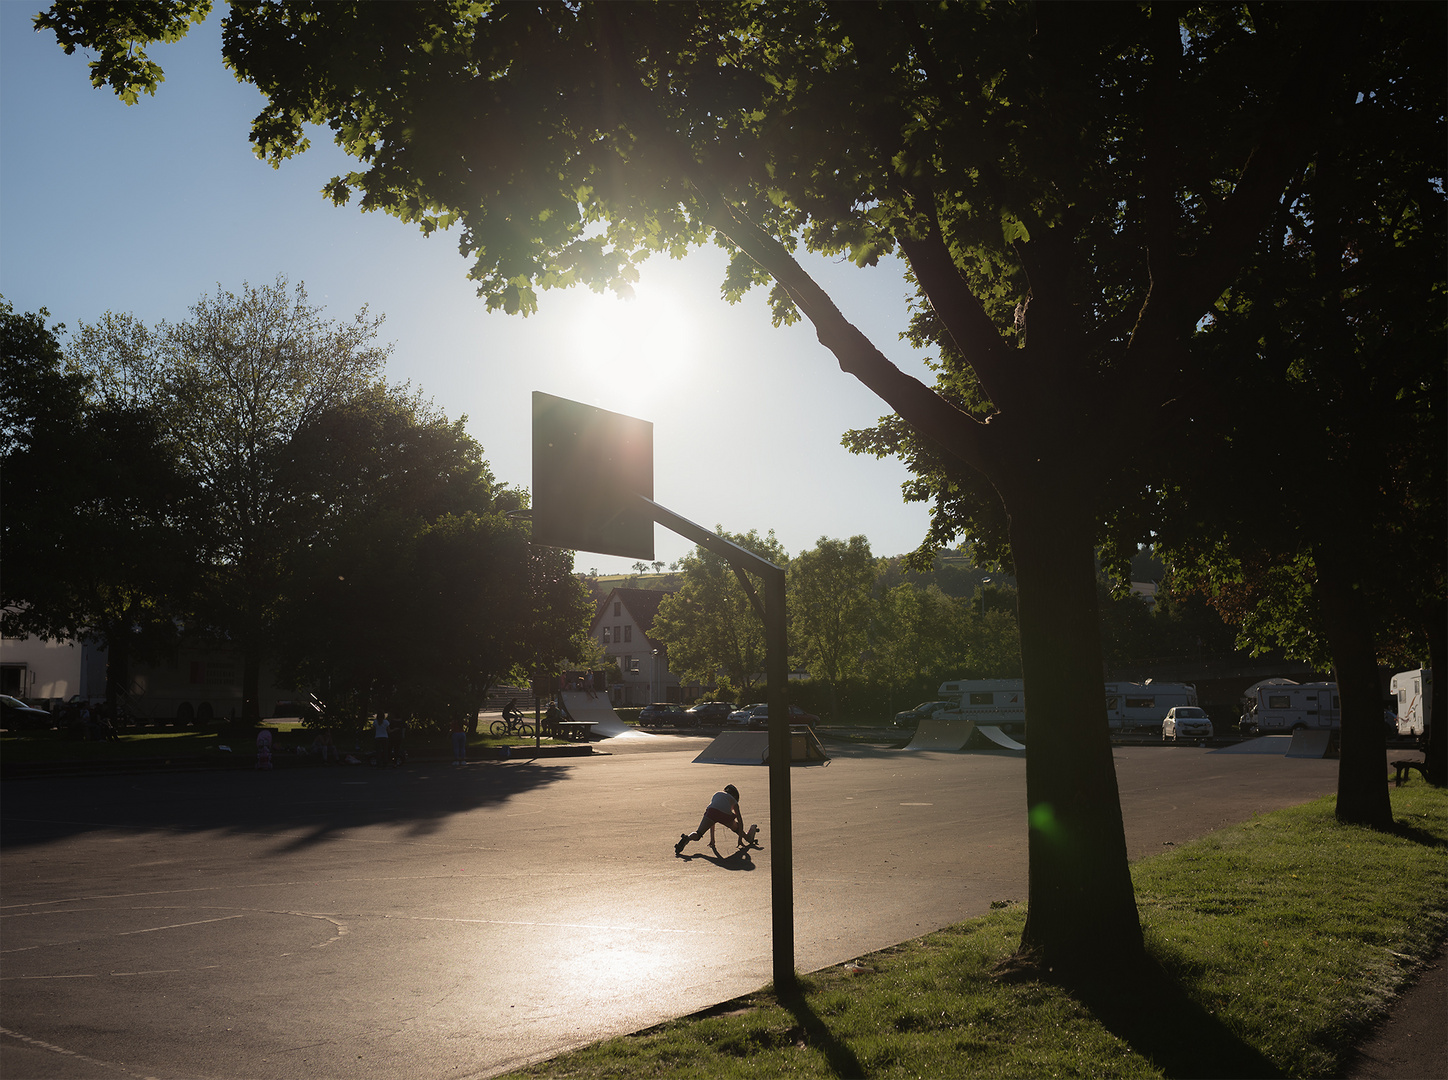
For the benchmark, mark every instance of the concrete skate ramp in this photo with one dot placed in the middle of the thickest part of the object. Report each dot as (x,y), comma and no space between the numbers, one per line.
(941,735)
(999,737)
(606,724)
(1262,744)
(1309,744)
(752,748)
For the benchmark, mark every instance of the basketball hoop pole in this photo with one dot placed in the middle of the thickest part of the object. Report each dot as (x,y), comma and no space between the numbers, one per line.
(776,667)
(593,482)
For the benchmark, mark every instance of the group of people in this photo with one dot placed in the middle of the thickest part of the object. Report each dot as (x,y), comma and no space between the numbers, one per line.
(590,682)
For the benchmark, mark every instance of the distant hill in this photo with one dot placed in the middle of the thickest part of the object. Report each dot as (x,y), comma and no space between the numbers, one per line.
(603,584)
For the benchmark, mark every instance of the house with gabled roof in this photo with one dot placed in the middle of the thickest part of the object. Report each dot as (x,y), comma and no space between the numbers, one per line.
(622,626)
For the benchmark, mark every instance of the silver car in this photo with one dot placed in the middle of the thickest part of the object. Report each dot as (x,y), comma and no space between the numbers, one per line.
(741,717)
(1186,722)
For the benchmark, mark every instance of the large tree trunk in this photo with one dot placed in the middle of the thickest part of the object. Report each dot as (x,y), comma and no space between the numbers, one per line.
(1436,736)
(1362,782)
(1082,917)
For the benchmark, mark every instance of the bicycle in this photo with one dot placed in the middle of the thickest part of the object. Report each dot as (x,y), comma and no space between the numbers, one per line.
(511,725)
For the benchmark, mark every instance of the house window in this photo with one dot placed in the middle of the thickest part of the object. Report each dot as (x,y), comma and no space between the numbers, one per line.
(605,635)
(617,608)
(628,633)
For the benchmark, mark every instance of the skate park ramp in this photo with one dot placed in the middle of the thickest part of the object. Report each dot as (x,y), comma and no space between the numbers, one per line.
(941,735)
(606,724)
(999,737)
(1309,744)
(1261,744)
(752,748)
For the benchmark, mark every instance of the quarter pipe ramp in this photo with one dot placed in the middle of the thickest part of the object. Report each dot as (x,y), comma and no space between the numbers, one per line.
(1310,744)
(999,737)
(606,724)
(752,748)
(941,735)
(957,734)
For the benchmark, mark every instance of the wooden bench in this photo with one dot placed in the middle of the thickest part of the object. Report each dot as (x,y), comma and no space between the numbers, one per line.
(1404,767)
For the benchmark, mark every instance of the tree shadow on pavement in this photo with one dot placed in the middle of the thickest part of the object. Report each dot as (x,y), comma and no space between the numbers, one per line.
(1149,1011)
(308,805)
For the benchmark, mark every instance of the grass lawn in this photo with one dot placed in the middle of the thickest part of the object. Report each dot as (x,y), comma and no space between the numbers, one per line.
(1275,944)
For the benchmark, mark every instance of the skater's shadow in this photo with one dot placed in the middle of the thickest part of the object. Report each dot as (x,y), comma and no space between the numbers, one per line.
(738,859)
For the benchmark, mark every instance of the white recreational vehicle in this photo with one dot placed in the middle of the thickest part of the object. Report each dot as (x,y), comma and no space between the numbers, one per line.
(1414,693)
(1281,705)
(1130,707)
(994,702)
(1139,708)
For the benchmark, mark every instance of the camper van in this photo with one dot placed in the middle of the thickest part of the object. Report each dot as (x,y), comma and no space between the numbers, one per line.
(1414,693)
(1281,705)
(1139,708)
(995,702)
(1130,707)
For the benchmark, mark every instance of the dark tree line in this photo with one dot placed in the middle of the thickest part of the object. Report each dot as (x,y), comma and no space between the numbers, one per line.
(246,480)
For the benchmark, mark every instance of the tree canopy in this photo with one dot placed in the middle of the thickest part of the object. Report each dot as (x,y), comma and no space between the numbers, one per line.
(103,530)
(409,588)
(1336,337)
(233,384)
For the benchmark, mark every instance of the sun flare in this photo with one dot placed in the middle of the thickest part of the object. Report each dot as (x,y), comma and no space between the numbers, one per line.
(648,341)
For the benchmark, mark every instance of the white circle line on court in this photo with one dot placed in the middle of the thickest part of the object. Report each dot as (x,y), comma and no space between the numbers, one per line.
(52,1048)
(554,925)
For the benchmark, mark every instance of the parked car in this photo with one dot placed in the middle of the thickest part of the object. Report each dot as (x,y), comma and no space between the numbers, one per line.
(16,715)
(661,712)
(757,716)
(926,710)
(1186,722)
(709,712)
(741,716)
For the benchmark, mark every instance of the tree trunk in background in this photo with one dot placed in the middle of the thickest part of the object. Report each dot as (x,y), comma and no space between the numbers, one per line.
(118,666)
(251,681)
(1362,783)
(1082,912)
(1436,735)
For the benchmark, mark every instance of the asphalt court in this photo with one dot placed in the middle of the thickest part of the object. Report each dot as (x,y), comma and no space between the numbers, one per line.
(436,921)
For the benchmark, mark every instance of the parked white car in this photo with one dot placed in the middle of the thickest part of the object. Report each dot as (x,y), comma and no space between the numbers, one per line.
(1186,722)
(741,717)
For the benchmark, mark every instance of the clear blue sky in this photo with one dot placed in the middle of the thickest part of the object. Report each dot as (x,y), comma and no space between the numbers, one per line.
(145,208)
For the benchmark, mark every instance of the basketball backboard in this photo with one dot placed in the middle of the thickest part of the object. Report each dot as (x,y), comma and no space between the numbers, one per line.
(588,466)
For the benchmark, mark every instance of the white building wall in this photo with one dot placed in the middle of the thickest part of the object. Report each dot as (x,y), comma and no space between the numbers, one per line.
(49,670)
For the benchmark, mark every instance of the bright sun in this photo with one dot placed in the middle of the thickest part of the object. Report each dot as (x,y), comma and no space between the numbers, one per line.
(648,342)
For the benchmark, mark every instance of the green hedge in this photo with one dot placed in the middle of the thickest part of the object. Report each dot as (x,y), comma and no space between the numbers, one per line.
(856,701)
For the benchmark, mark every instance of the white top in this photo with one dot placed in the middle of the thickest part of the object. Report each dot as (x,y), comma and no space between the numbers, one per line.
(723,802)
